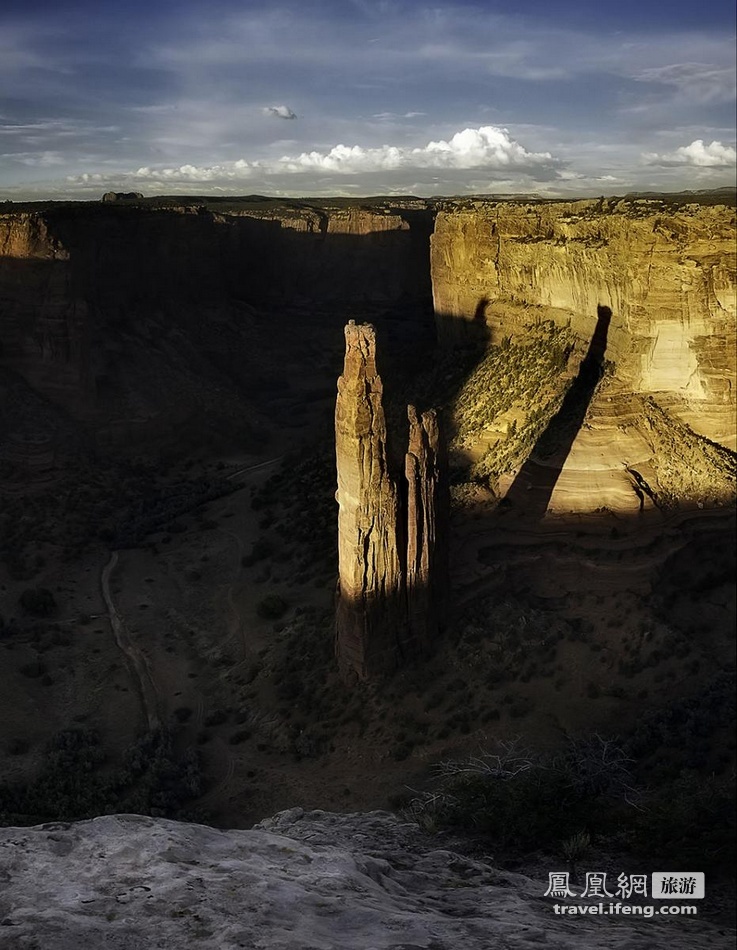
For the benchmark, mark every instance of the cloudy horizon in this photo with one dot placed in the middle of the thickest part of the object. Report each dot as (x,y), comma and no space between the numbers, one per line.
(362,98)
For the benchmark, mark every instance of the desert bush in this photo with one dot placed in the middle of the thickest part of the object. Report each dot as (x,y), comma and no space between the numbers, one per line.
(521,707)
(18,746)
(33,670)
(523,800)
(150,779)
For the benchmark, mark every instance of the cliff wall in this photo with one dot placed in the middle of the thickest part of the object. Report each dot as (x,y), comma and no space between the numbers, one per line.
(666,272)
(140,319)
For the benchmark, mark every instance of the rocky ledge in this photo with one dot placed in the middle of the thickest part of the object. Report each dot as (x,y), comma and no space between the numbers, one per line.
(298,881)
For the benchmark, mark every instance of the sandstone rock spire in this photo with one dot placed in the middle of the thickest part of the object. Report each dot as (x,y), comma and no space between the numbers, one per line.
(392,546)
(427,518)
(370,575)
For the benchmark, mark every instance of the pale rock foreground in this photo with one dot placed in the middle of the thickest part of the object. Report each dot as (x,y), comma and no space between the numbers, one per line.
(299,881)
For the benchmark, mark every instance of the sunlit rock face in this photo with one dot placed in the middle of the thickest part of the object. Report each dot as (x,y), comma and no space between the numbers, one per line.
(668,275)
(298,881)
(370,610)
(392,548)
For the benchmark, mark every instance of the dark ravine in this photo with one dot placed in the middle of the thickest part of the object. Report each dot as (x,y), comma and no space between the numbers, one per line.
(137,320)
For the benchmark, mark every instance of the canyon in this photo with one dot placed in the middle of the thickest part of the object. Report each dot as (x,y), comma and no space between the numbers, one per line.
(168,454)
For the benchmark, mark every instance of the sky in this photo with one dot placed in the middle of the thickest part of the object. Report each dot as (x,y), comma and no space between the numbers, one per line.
(365,97)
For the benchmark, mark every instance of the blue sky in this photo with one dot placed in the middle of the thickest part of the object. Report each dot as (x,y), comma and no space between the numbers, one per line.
(365,97)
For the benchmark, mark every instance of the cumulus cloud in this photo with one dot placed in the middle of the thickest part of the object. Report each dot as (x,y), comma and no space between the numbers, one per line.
(714,155)
(487,147)
(489,151)
(279,112)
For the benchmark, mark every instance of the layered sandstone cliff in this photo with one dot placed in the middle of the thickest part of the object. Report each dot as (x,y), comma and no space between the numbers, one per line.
(147,324)
(392,545)
(666,273)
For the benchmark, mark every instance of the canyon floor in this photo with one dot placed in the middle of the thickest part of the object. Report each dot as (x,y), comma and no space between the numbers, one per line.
(573,622)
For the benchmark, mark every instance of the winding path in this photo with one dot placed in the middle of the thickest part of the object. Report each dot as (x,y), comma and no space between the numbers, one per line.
(135,659)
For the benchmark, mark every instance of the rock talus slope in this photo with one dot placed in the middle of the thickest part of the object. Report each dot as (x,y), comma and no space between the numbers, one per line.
(298,881)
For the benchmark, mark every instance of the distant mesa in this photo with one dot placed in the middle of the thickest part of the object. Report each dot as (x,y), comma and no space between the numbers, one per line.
(110,196)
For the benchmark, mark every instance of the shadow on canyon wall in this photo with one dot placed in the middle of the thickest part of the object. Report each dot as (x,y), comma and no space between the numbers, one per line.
(535,482)
(163,325)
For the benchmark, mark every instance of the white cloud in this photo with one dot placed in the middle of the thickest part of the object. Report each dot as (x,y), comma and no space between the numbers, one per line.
(35,159)
(698,82)
(487,147)
(474,160)
(280,112)
(397,115)
(714,155)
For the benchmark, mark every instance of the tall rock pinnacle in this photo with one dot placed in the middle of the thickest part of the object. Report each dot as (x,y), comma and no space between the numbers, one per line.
(427,522)
(388,600)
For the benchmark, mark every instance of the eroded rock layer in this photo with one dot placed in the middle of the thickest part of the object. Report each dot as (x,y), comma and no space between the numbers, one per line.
(391,539)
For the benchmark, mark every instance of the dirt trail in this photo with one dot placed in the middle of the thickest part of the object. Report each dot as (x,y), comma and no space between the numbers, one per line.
(136,661)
